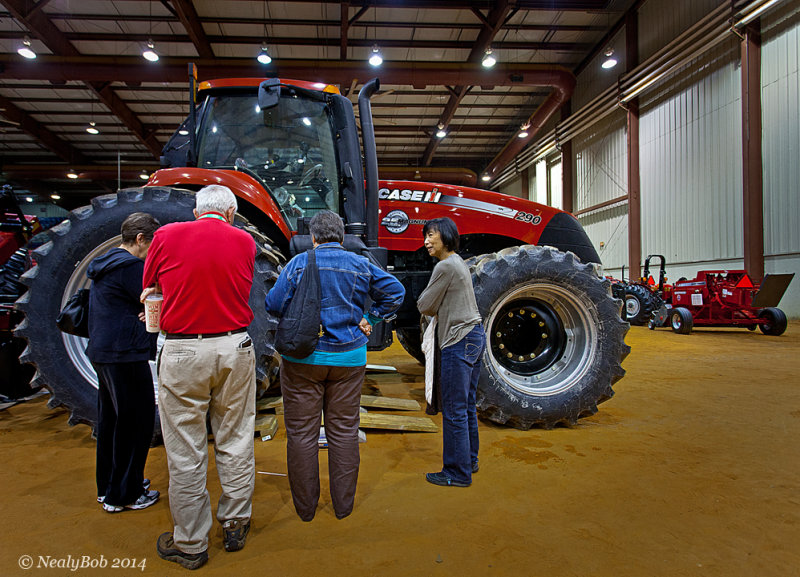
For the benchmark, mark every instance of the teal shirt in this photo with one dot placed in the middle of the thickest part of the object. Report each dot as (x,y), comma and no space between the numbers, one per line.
(355,358)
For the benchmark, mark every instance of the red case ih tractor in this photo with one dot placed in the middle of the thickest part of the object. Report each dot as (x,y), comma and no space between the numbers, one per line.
(725,298)
(289,149)
(16,230)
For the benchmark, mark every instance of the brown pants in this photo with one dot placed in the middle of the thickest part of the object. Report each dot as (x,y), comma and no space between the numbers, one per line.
(308,391)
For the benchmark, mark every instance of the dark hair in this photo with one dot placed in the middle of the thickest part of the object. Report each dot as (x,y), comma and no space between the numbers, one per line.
(136,223)
(447,230)
(327,226)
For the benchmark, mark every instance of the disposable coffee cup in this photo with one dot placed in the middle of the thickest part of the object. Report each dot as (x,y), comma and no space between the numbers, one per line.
(152,312)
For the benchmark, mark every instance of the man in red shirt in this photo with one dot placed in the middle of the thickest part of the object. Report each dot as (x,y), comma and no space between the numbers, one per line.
(204,268)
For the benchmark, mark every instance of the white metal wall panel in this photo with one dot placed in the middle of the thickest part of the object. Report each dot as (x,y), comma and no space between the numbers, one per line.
(691,162)
(780,104)
(661,22)
(601,174)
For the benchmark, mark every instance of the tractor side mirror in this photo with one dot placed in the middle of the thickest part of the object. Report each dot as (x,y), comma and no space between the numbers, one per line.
(269,92)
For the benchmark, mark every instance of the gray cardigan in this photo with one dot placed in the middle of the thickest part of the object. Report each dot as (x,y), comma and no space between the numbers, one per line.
(450,298)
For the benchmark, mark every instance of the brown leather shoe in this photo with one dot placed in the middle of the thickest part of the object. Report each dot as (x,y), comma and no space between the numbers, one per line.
(169,552)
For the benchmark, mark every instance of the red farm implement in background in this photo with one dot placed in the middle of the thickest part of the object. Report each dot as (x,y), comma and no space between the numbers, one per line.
(725,298)
(16,229)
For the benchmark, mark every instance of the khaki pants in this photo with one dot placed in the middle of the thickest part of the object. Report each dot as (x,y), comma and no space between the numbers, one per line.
(308,391)
(211,376)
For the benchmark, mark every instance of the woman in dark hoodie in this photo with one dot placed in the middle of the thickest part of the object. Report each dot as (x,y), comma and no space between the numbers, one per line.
(120,348)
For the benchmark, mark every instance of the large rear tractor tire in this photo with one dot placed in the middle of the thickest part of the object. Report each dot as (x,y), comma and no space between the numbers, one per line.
(60,359)
(411,340)
(640,304)
(554,337)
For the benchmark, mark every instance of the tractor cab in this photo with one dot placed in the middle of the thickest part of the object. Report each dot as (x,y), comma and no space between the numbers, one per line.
(288,148)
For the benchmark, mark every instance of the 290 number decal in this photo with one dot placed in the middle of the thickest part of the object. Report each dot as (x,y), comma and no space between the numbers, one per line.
(528,217)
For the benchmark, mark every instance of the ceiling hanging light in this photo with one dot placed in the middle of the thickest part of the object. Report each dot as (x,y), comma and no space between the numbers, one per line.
(55,196)
(375,58)
(486,178)
(610,61)
(441,133)
(523,131)
(91,129)
(149,52)
(72,174)
(488,59)
(263,56)
(25,50)
(143,175)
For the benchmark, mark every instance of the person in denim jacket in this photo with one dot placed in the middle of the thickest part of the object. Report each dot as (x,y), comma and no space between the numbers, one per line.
(450,297)
(329,381)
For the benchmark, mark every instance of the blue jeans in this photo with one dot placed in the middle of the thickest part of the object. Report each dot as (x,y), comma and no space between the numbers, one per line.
(461,367)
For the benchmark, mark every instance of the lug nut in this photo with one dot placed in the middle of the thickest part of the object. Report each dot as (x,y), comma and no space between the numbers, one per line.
(533,355)
(499,334)
(511,315)
(541,324)
(509,355)
(521,358)
(502,346)
(522,311)
(544,335)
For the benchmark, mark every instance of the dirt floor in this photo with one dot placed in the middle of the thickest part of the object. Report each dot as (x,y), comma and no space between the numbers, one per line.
(691,469)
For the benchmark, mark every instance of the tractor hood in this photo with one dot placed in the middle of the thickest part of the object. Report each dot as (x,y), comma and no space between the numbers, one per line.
(405,206)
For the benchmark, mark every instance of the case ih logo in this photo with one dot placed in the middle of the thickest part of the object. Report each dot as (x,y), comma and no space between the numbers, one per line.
(410,195)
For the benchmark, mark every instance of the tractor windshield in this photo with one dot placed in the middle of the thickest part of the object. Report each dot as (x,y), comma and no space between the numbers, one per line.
(288,148)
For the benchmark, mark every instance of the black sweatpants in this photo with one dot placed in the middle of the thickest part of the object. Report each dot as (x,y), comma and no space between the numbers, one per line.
(125,419)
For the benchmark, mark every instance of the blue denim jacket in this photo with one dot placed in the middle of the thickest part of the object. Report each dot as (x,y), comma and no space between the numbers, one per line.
(347,280)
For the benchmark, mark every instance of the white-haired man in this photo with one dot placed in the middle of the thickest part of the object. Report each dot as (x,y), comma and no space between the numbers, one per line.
(204,268)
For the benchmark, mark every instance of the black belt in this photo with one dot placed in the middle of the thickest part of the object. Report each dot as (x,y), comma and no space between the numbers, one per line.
(205,335)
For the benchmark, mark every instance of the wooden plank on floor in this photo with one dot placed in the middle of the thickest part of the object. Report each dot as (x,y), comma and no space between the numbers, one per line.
(390,403)
(270,403)
(397,423)
(266,426)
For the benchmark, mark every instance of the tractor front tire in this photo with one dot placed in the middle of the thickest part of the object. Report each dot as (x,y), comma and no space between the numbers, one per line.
(640,304)
(60,359)
(681,320)
(774,323)
(411,340)
(554,337)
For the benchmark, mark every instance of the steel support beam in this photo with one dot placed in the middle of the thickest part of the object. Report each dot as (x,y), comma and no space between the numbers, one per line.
(634,181)
(752,181)
(191,22)
(567,166)
(491,24)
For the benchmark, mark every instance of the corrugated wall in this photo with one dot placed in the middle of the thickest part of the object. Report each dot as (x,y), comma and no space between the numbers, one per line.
(660,22)
(691,161)
(780,94)
(601,175)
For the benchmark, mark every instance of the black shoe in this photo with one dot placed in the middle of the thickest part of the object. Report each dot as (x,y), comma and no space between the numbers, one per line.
(169,552)
(443,480)
(475,466)
(234,534)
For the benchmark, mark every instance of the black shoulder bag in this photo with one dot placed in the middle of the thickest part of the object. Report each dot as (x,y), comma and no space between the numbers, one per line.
(300,326)
(74,317)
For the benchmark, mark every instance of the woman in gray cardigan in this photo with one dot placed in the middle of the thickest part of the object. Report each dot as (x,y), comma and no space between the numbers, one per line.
(450,298)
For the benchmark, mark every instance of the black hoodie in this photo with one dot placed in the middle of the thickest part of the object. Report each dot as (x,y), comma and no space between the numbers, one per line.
(116,335)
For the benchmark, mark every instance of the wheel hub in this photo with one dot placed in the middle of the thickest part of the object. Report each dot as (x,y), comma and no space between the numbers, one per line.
(526,337)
